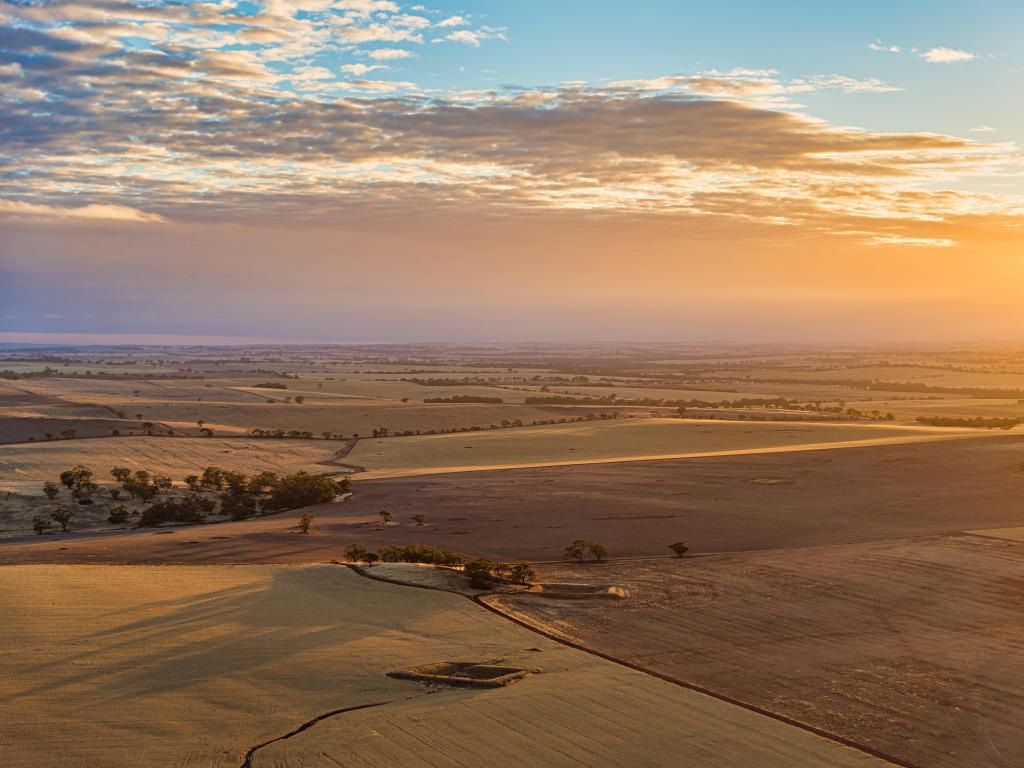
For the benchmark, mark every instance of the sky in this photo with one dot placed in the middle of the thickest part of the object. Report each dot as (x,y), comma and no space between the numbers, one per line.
(377,170)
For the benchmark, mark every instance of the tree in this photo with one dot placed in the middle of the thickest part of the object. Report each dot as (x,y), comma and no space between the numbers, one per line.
(385,516)
(118,514)
(62,517)
(115,493)
(371,558)
(213,477)
(191,509)
(575,551)
(200,422)
(51,490)
(121,474)
(501,571)
(479,571)
(262,482)
(192,481)
(418,518)
(305,522)
(41,525)
(239,506)
(521,573)
(83,491)
(581,547)
(75,475)
(302,490)
(679,548)
(300,399)
(356,554)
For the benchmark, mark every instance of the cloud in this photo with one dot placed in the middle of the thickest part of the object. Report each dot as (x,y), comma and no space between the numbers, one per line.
(878,45)
(762,86)
(201,127)
(389,54)
(946,55)
(361,69)
(916,242)
(380,86)
(452,21)
(92,211)
(473,37)
(983,129)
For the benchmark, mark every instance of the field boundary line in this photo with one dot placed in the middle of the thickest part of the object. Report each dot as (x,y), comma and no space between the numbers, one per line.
(482,602)
(842,740)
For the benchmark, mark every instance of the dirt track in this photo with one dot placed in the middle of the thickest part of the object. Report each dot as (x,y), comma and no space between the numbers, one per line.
(829,497)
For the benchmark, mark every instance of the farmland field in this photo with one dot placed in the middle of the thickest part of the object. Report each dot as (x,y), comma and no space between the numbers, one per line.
(198,666)
(852,577)
(30,464)
(723,503)
(616,440)
(911,647)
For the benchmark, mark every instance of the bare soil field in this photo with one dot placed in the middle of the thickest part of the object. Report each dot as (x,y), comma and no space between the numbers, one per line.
(912,647)
(212,667)
(618,440)
(726,503)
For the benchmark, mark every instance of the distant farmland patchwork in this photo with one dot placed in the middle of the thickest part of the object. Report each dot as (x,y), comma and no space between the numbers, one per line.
(847,598)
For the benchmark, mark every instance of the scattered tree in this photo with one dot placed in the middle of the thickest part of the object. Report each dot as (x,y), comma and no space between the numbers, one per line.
(51,490)
(479,571)
(356,554)
(521,573)
(679,548)
(75,475)
(385,516)
(581,547)
(118,514)
(41,525)
(305,522)
(62,517)
(418,518)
